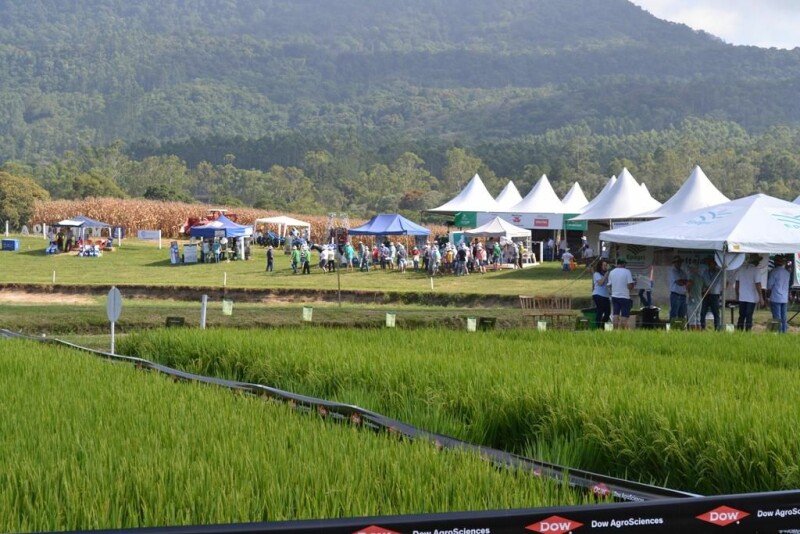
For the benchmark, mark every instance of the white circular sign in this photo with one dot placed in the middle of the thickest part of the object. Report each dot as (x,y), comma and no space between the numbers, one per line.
(114,304)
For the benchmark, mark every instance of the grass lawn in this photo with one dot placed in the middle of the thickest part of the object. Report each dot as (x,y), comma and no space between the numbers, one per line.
(141,262)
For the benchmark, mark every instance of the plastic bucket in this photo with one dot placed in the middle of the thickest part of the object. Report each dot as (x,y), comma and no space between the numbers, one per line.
(390,319)
(472,324)
(308,313)
(591,316)
(227,307)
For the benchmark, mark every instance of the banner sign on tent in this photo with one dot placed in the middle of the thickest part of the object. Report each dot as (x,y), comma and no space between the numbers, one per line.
(466,218)
(574,225)
(531,221)
(622,224)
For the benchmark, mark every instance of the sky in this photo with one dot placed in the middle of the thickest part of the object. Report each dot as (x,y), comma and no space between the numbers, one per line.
(764,23)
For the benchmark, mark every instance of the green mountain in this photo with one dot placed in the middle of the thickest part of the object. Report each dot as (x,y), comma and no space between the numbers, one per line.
(78,72)
(416,95)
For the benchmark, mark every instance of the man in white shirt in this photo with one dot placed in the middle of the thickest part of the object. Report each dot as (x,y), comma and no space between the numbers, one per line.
(621,281)
(748,291)
(778,288)
(677,289)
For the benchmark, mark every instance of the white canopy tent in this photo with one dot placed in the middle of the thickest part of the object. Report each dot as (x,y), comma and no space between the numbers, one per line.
(498,227)
(541,199)
(755,224)
(599,198)
(696,192)
(283,222)
(574,201)
(540,209)
(624,200)
(474,197)
(508,196)
(797,200)
(758,223)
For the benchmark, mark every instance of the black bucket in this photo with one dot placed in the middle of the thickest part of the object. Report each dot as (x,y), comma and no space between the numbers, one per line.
(650,317)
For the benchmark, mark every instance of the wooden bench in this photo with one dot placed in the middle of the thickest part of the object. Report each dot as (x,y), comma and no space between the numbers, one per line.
(556,311)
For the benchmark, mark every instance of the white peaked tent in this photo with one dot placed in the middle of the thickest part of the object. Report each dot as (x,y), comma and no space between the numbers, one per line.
(695,193)
(624,200)
(758,223)
(283,222)
(508,196)
(474,197)
(541,199)
(599,198)
(797,200)
(497,227)
(574,201)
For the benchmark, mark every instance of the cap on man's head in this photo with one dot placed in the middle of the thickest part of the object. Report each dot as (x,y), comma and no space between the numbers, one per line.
(621,259)
(676,258)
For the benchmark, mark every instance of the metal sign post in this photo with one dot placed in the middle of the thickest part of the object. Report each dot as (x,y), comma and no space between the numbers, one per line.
(113,309)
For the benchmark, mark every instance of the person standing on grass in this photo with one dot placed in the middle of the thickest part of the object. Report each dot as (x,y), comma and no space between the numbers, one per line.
(677,289)
(295,258)
(748,291)
(712,286)
(364,257)
(600,294)
(402,258)
(270,259)
(566,260)
(694,296)
(621,281)
(305,259)
(349,254)
(778,290)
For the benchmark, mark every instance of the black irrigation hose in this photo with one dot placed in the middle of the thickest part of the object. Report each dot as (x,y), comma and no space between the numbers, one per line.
(618,489)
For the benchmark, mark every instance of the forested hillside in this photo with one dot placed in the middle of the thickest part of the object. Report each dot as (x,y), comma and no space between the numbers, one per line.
(362,105)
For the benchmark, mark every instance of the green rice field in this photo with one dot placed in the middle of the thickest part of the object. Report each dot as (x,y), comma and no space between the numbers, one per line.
(711,413)
(90,444)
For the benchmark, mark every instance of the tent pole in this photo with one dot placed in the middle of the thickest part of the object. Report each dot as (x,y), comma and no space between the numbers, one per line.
(724,279)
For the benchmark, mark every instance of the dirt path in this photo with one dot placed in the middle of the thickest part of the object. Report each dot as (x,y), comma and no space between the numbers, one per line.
(24,297)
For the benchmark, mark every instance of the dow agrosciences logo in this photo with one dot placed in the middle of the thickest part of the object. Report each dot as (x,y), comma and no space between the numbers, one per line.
(555,524)
(723,515)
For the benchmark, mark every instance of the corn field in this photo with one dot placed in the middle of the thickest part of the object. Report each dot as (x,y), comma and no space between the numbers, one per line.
(87,444)
(140,214)
(711,414)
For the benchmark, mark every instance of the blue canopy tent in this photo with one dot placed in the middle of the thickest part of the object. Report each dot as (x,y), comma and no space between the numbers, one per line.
(82,221)
(221,227)
(389,224)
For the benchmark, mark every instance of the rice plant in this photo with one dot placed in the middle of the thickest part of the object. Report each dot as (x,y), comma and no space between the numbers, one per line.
(88,444)
(709,413)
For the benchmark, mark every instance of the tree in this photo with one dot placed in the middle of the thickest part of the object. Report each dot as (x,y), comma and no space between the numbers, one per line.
(459,169)
(17,197)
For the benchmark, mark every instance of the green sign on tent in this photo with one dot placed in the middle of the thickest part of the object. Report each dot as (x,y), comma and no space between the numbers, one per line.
(574,225)
(466,218)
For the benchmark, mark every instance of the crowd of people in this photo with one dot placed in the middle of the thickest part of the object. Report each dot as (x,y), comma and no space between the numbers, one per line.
(436,258)
(695,292)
